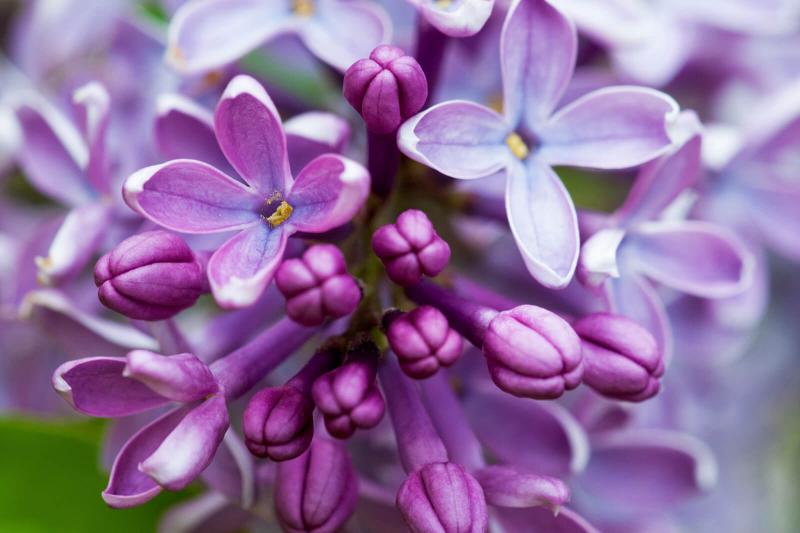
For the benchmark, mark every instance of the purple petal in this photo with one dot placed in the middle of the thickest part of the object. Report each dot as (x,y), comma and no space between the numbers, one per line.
(543,221)
(330,34)
(313,134)
(508,487)
(537,54)
(232,472)
(190,447)
(210,511)
(612,23)
(241,269)
(250,134)
(543,519)
(648,470)
(185,130)
(204,35)
(96,386)
(94,104)
(181,377)
(635,298)
(773,211)
(328,192)
(616,127)
(457,138)
(694,257)
(456,19)
(660,55)
(192,197)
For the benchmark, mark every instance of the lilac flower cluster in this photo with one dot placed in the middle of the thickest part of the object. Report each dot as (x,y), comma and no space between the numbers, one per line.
(518,333)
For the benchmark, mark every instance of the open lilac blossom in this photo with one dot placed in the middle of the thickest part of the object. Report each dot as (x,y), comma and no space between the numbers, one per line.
(616,127)
(150,276)
(317,286)
(422,340)
(456,18)
(205,35)
(266,210)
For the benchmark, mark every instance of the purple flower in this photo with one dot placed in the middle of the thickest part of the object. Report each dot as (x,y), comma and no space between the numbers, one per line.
(458,18)
(410,248)
(610,128)
(317,286)
(204,34)
(194,197)
(422,340)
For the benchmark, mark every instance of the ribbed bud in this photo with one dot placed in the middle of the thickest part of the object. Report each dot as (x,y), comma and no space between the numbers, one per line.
(278,423)
(423,341)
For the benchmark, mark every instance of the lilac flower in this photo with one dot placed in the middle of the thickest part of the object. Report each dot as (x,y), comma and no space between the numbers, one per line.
(422,340)
(194,197)
(611,128)
(458,18)
(206,34)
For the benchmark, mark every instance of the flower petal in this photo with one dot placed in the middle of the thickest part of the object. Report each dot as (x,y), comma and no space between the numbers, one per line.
(233,471)
(328,192)
(538,49)
(181,377)
(616,127)
(94,103)
(634,297)
(544,223)
(313,134)
(250,134)
(458,138)
(773,211)
(241,269)
(96,386)
(508,487)
(543,519)
(694,257)
(207,34)
(457,19)
(192,197)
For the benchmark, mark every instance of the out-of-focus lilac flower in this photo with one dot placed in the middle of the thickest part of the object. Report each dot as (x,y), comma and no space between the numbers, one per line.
(621,359)
(422,340)
(194,197)
(386,89)
(348,396)
(206,34)
(456,18)
(410,248)
(150,276)
(469,141)
(317,286)
(318,491)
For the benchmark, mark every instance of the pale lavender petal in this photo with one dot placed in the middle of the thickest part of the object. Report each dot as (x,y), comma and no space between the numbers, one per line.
(96,386)
(342,32)
(241,269)
(509,487)
(190,447)
(207,34)
(543,519)
(774,212)
(250,134)
(538,50)
(611,23)
(457,19)
(458,138)
(181,377)
(662,52)
(544,223)
(634,297)
(328,192)
(616,127)
(694,257)
(312,134)
(192,197)
(94,105)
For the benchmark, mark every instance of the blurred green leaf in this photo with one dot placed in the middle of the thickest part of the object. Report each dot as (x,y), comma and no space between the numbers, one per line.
(51,481)
(592,191)
(314,91)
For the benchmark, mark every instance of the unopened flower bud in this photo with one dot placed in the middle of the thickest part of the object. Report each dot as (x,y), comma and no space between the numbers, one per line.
(317,491)
(317,286)
(443,497)
(423,341)
(621,359)
(348,396)
(410,248)
(533,352)
(386,88)
(150,276)
(278,423)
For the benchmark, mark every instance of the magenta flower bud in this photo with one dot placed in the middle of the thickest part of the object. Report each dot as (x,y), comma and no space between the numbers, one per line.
(621,359)
(443,497)
(410,248)
(423,341)
(348,396)
(532,352)
(316,492)
(278,423)
(386,89)
(150,276)
(317,286)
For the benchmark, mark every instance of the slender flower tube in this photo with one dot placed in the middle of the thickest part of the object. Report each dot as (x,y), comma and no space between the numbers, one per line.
(530,351)
(317,286)
(150,276)
(348,396)
(317,491)
(621,359)
(410,248)
(422,340)
(386,88)
(278,421)
(437,495)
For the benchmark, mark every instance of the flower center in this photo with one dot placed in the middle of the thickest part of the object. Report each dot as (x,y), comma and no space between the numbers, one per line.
(517,146)
(279,215)
(303,8)
(443,4)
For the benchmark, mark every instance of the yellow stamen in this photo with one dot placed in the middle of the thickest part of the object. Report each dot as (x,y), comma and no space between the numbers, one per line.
(44,264)
(177,54)
(283,212)
(303,8)
(496,103)
(443,4)
(517,145)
